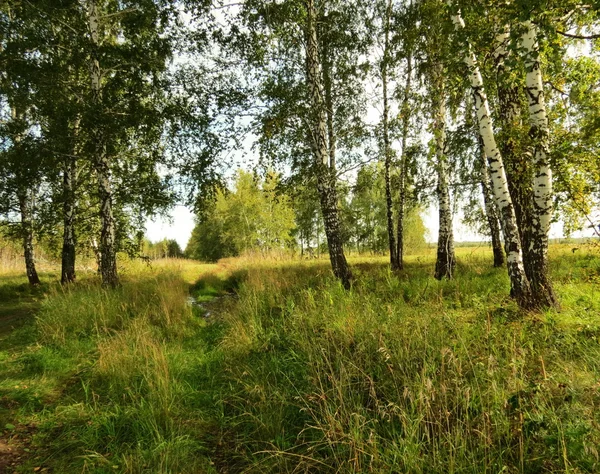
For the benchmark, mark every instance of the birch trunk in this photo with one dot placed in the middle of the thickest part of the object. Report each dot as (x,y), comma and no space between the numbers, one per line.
(491,213)
(402,185)
(325,174)
(446,259)
(519,171)
(539,277)
(329,106)
(69,183)
(520,287)
(108,260)
(25,197)
(387,150)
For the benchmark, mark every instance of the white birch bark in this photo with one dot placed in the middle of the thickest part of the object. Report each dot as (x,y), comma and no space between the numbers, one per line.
(542,184)
(446,260)
(542,204)
(108,263)
(325,173)
(491,212)
(519,283)
(387,151)
(405,112)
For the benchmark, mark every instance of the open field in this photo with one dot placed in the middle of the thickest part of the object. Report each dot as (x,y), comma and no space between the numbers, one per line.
(276,368)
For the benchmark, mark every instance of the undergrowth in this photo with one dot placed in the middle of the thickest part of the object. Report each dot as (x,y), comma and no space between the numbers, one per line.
(276,368)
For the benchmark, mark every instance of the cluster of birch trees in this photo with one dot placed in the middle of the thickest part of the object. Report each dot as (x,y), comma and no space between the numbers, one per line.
(488,79)
(86,104)
(105,102)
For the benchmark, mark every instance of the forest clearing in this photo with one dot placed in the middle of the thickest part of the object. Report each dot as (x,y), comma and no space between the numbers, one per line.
(289,372)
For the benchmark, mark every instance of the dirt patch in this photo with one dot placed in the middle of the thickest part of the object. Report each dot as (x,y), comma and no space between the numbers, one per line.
(15,448)
(10,456)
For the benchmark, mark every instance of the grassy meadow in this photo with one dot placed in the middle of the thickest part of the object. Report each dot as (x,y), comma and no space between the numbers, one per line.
(261,365)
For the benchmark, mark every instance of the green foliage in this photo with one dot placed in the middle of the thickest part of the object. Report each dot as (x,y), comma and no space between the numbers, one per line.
(254,216)
(364,213)
(166,248)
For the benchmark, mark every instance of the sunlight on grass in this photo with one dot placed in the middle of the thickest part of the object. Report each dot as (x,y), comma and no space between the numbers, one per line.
(276,368)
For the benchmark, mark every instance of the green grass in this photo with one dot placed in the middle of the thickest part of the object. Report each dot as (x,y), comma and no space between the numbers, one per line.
(291,373)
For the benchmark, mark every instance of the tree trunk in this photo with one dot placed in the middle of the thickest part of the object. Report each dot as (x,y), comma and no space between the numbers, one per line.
(519,171)
(490,212)
(446,259)
(539,275)
(325,174)
(68,250)
(25,197)
(520,287)
(69,239)
(403,166)
(108,260)
(327,86)
(387,149)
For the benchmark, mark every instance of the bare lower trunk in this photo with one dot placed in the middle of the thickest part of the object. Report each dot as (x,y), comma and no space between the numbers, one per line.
(491,213)
(25,197)
(68,250)
(108,260)
(539,273)
(403,166)
(325,173)
(25,205)
(519,172)
(69,238)
(446,259)
(329,209)
(97,255)
(108,257)
(387,150)
(520,287)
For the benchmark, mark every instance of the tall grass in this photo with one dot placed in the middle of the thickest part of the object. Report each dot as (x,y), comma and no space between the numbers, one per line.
(294,374)
(102,366)
(405,374)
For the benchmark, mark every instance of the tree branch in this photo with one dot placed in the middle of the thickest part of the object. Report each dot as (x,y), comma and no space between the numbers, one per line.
(571,35)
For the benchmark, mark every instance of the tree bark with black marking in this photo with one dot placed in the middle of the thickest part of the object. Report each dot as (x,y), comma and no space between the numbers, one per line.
(446,259)
(325,174)
(542,204)
(101,159)
(520,287)
(491,213)
(387,149)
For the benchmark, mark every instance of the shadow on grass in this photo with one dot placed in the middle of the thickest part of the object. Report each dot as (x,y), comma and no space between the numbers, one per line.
(213,285)
(19,301)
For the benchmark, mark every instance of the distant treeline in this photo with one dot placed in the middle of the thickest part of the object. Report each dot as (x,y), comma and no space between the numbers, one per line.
(261,214)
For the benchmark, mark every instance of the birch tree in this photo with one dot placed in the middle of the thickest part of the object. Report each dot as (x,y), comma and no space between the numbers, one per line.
(19,167)
(446,259)
(539,278)
(325,174)
(305,61)
(402,178)
(520,287)
(387,149)
(99,155)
